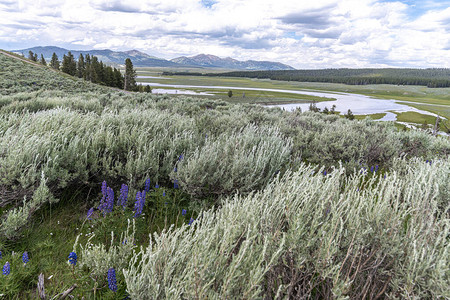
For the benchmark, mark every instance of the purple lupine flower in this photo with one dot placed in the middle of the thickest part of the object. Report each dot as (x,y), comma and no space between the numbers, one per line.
(123,198)
(175,169)
(324,173)
(175,184)
(164,193)
(138,205)
(90,213)
(73,258)
(156,186)
(183,212)
(1,254)
(25,257)
(376,168)
(6,269)
(181,157)
(104,188)
(372,169)
(109,204)
(112,281)
(147,185)
(191,221)
(104,195)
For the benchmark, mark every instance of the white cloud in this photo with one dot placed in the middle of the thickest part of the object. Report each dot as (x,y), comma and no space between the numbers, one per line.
(304,34)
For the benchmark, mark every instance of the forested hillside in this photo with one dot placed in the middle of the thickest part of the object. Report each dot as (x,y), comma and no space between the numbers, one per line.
(111,194)
(432,78)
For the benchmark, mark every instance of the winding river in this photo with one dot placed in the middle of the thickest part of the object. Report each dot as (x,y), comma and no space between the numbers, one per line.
(358,104)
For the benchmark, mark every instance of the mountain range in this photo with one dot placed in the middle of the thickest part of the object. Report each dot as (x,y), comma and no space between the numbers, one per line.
(141,59)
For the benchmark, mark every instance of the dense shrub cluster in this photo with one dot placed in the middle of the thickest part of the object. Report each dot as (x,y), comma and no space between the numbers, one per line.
(310,236)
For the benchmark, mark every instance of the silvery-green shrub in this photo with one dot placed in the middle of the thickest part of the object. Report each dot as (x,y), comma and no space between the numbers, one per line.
(334,236)
(242,161)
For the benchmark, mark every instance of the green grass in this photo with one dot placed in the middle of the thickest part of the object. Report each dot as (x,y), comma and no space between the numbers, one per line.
(51,236)
(372,116)
(413,117)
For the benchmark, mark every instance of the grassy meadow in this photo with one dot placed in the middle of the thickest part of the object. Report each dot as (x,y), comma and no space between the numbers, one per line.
(178,197)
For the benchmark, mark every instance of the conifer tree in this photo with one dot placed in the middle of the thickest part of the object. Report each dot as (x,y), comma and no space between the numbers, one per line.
(31,55)
(94,69)
(87,73)
(130,76)
(81,67)
(54,63)
(69,65)
(43,62)
(118,78)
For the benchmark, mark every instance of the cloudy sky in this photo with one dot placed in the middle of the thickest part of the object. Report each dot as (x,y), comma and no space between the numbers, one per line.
(301,33)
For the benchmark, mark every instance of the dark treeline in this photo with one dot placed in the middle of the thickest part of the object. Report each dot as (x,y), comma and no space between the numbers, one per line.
(433,78)
(87,67)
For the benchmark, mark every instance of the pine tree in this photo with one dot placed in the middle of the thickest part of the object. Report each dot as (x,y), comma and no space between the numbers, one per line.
(109,76)
(87,73)
(81,67)
(118,78)
(35,58)
(43,62)
(69,65)
(130,76)
(349,115)
(54,63)
(31,55)
(94,69)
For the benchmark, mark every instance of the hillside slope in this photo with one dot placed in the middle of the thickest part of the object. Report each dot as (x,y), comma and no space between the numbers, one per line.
(22,75)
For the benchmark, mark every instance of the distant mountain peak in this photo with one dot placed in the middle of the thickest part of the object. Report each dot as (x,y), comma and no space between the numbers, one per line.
(141,59)
(213,61)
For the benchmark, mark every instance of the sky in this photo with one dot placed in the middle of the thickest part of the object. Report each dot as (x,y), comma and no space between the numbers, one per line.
(305,34)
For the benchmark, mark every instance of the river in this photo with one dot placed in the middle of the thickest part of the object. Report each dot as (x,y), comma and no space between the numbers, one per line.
(358,104)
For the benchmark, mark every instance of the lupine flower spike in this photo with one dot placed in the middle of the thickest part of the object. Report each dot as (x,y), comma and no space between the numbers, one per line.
(157,186)
(25,257)
(123,198)
(183,212)
(90,213)
(147,185)
(0,254)
(112,282)
(73,258)
(191,221)
(109,205)
(138,205)
(6,269)
(104,190)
